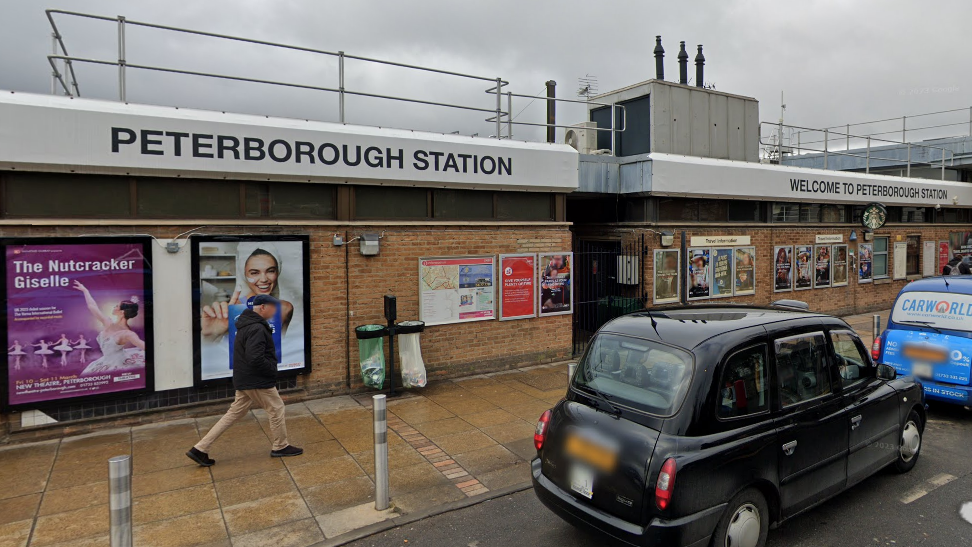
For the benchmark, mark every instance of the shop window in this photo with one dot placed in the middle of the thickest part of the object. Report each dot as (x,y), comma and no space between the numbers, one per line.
(257,200)
(879,266)
(462,204)
(299,200)
(913,257)
(786,212)
(833,213)
(678,210)
(914,214)
(524,206)
(66,196)
(713,210)
(952,215)
(745,211)
(187,198)
(390,202)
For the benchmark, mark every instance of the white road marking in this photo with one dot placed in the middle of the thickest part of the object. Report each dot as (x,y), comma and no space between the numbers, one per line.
(966,512)
(930,485)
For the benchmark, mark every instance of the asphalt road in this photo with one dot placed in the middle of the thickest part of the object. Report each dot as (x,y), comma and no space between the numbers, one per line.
(920,508)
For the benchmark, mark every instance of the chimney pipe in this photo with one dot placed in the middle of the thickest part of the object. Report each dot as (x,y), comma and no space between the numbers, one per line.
(699,63)
(682,65)
(659,59)
(551,111)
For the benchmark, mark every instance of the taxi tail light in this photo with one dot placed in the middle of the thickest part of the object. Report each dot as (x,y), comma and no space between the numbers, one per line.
(665,485)
(876,349)
(541,432)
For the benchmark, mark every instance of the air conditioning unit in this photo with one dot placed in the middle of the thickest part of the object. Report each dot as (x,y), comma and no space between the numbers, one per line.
(582,137)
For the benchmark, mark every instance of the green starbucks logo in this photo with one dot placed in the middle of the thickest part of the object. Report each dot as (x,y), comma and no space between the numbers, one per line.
(874,216)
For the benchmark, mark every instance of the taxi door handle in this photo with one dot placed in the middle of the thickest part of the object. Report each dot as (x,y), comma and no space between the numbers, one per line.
(856,422)
(789,447)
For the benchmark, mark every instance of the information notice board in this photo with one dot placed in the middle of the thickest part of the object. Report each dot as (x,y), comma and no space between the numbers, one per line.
(457,289)
(518,286)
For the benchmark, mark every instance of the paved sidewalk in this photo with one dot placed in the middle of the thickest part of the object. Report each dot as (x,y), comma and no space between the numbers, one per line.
(862,324)
(452,441)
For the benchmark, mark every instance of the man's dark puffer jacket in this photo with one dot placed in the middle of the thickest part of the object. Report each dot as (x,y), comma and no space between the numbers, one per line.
(254,355)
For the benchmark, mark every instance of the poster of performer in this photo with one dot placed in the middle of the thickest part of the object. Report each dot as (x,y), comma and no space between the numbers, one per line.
(78,318)
(784,269)
(745,271)
(821,276)
(722,280)
(840,266)
(803,258)
(228,273)
(699,274)
(865,254)
(556,288)
(666,276)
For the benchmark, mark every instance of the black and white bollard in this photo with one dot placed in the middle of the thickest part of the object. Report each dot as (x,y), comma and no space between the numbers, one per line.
(120,500)
(381,452)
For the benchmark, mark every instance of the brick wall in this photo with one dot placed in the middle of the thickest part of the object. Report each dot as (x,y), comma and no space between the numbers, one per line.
(337,305)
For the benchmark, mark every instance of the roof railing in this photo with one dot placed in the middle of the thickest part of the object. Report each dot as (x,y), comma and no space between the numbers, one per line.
(779,149)
(68,81)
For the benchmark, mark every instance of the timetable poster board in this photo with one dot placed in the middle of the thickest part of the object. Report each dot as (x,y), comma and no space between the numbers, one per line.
(745,271)
(803,258)
(518,286)
(822,265)
(929,258)
(900,260)
(79,318)
(865,257)
(456,289)
(722,278)
(841,266)
(666,285)
(699,274)
(556,284)
(784,269)
(228,272)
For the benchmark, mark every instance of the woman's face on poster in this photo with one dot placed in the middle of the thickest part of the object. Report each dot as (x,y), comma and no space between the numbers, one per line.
(670,263)
(261,274)
(745,259)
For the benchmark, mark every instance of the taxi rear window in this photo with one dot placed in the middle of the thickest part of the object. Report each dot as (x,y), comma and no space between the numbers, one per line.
(938,310)
(637,373)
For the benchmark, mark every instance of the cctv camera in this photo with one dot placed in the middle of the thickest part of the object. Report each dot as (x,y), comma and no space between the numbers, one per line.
(938,206)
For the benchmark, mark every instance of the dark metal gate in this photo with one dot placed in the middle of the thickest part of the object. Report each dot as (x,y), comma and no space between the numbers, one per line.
(609,282)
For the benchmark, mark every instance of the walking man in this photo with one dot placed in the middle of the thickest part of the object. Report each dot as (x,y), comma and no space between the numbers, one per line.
(255,380)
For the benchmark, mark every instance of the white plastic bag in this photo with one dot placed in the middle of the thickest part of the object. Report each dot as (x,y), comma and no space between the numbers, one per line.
(413,368)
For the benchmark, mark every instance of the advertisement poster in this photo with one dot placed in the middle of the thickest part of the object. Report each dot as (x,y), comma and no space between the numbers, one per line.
(456,289)
(518,286)
(228,273)
(944,255)
(556,288)
(722,280)
(784,269)
(803,255)
(840,266)
(821,265)
(78,318)
(745,271)
(960,243)
(699,274)
(865,254)
(666,276)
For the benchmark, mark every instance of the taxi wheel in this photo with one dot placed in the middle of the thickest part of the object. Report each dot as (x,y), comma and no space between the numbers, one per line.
(909,445)
(745,522)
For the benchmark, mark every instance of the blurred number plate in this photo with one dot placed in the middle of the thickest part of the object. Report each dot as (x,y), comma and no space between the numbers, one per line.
(582,481)
(924,353)
(597,456)
(921,370)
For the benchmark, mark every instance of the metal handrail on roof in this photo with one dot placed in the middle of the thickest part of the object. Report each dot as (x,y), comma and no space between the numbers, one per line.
(498,115)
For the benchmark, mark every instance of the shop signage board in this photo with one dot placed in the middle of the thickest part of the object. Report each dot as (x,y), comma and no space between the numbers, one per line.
(518,286)
(131,139)
(556,295)
(783,267)
(666,284)
(457,289)
(829,238)
(78,319)
(228,272)
(703,241)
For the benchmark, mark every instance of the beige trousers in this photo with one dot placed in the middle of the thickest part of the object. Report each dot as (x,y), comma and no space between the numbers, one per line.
(267,399)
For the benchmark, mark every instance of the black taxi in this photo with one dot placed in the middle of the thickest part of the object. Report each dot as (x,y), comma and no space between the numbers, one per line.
(708,425)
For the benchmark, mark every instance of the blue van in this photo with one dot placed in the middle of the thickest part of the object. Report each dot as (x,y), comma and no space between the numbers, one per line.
(929,336)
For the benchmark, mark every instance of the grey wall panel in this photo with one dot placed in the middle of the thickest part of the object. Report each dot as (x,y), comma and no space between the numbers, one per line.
(681,121)
(661,115)
(636,177)
(737,129)
(598,176)
(699,105)
(752,131)
(718,127)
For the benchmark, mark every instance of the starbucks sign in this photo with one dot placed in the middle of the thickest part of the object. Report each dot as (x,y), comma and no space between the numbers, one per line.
(874,216)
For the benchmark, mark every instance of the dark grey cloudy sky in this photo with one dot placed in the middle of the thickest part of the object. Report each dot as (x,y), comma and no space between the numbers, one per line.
(837,61)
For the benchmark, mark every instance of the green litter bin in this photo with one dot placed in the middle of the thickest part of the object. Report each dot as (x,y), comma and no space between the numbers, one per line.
(371,354)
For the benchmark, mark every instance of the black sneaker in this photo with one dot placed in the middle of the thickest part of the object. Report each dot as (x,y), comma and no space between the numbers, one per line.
(286,451)
(200,457)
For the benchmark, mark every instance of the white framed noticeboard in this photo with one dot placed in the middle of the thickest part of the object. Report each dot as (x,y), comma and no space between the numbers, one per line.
(900,259)
(457,289)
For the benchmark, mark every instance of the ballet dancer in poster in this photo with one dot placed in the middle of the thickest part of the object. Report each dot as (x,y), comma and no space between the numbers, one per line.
(115,337)
(43,352)
(63,346)
(82,345)
(18,352)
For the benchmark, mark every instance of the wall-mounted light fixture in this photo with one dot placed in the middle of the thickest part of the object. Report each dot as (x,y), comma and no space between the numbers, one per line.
(667,238)
(853,236)
(868,235)
(370,244)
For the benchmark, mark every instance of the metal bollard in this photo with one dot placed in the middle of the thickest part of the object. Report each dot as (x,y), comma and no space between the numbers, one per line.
(571,367)
(876,327)
(381,453)
(120,500)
